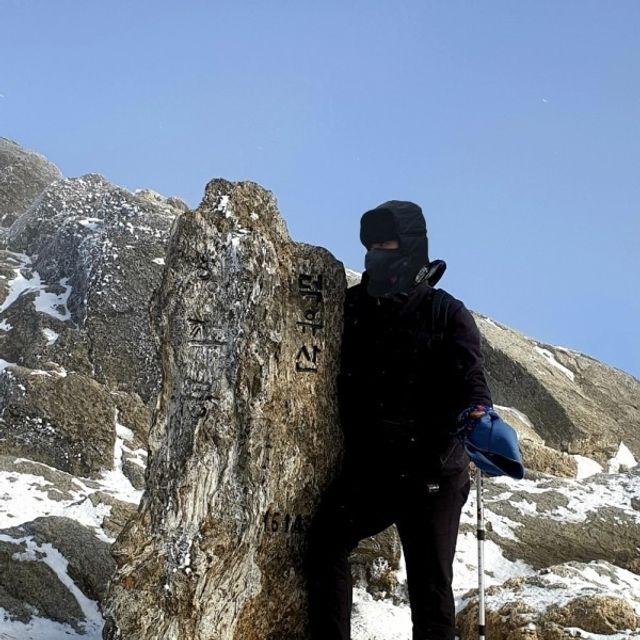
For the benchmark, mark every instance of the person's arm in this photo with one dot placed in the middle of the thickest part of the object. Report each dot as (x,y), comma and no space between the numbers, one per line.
(467,359)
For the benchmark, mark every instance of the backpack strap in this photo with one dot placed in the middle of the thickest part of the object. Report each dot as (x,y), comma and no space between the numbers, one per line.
(440,303)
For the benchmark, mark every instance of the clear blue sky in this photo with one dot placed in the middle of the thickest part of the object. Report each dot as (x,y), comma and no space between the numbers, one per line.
(516,126)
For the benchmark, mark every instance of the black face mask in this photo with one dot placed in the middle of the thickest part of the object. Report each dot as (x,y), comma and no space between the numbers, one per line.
(390,271)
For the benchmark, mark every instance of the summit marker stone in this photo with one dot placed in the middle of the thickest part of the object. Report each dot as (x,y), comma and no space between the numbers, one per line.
(245,435)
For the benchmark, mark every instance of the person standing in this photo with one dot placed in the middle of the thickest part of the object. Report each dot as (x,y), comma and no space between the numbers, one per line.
(411,377)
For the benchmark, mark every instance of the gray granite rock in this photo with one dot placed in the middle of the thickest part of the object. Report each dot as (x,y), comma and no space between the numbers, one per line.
(31,587)
(24,175)
(46,565)
(93,254)
(575,403)
(562,602)
(90,562)
(76,279)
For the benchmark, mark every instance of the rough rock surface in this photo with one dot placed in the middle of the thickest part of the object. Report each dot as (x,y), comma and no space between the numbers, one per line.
(92,254)
(77,360)
(23,176)
(376,561)
(562,602)
(31,559)
(90,561)
(554,520)
(245,436)
(576,404)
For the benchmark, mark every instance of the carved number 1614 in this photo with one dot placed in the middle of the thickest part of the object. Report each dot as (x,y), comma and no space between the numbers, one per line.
(284,523)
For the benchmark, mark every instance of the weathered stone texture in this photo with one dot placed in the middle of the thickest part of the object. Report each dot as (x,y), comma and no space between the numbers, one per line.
(245,435)
(105,248)
(576,404)
(595,598)
(24,175)
(30,587)
(77,278)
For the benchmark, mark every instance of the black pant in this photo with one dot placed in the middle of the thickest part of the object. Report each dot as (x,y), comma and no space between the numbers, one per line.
(357,506)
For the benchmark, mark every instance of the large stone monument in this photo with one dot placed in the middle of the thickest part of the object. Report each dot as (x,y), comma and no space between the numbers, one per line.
(245,434)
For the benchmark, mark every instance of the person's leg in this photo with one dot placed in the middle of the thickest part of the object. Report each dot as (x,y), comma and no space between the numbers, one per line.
(351,510)
(428,528)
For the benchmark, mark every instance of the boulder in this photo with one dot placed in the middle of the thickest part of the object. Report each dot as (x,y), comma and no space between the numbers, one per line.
(245,436)
(54,568)
(575,403)
(562,602)
(549,521)
(90,564)
(29,586)
(375,563)
(24,175)
(65,421)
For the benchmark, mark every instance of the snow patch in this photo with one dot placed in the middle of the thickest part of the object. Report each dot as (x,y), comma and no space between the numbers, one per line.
(4,364)
(41,629)
(586,467)
(50,335)
(623,459)
(19,284)
(492,323)
(223,206)
(24,497)
(5,326)
(90,223)
(159,261)
(47,553)
(559,588)
(114,480)
(378,619)
(548,356)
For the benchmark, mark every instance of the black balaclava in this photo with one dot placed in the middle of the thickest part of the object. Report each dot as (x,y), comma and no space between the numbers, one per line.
(393,271)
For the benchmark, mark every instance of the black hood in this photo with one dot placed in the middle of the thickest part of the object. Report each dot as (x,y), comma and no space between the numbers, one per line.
(394,271)
(395,220)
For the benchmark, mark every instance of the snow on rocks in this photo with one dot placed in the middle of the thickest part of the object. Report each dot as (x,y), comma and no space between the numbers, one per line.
(85,254)
(586,467)
(623,459)
(548,356)
(577,405)
(23,176)
(30,490)
(589,600)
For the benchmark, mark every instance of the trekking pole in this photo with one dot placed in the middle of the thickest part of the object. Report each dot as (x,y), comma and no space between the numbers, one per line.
(481,537)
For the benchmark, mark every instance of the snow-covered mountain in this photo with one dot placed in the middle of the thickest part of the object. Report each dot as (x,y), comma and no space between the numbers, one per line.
(81,375)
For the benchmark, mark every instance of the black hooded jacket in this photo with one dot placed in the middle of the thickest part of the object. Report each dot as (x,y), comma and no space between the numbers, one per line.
(404,378)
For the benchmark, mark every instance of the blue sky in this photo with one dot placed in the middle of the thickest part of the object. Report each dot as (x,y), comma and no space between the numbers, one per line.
(515,125)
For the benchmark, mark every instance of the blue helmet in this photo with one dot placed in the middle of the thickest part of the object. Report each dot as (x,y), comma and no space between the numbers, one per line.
(493,447)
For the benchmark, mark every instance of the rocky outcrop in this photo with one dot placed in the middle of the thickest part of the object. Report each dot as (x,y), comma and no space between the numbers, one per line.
(375,564)
(576,404)
(551,520)
(54,568)
(245,435)
(99,252)
(565,601)
(23,176)
(76,351)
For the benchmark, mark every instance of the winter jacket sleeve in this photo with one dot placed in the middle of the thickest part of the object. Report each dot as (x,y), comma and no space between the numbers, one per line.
(466,359)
